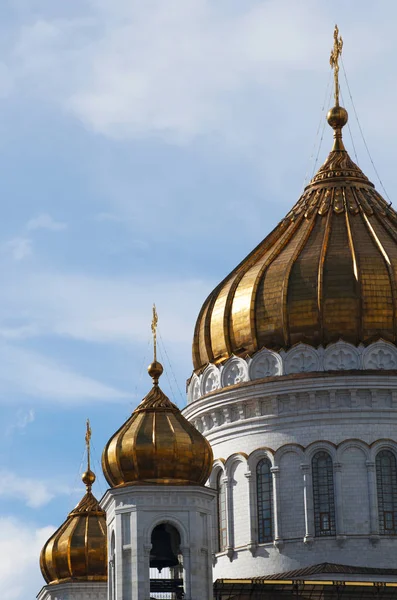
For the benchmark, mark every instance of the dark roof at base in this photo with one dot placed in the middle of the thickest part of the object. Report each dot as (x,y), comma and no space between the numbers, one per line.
(324,568)
(304,584)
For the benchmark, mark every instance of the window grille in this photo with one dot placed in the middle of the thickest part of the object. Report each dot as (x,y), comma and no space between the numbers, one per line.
(386,480)
(323,494)
(264,488)
(222,513)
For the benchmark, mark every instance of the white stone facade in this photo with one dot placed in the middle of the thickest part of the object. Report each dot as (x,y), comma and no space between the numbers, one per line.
(89,590)
(132,514)
(287,419)
(340,356)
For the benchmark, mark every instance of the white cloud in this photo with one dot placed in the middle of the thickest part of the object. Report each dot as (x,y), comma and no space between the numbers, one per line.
(47,379)
(23,418)
(129,68)
(19,248)
(45,221)
(18,332)
(33,492)
(101,309)
(20,546)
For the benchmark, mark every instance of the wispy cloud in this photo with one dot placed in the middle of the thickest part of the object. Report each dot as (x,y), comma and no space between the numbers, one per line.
(45,221)
(20,545)
(19,248)
(22,419)
(131,69)
(101,309)
(46,379)
(33,492)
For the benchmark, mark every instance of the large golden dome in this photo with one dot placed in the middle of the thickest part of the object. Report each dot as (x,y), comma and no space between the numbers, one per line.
(78,549)
(157,445)
(328,271)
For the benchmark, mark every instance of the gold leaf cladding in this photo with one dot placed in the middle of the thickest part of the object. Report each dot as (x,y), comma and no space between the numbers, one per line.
(326,201)
(313,203)
(363,202)
(342,191)
(339,205)
(157,445)
(351,201)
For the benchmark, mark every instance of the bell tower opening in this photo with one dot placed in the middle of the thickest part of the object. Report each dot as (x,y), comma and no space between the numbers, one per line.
(166,563)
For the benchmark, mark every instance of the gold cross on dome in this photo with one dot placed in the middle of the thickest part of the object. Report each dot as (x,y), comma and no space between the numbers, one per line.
(334,61)
(88,443)
(154,332)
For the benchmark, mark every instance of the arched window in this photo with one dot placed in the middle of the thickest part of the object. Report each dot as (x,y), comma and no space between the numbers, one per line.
(323,494)
(386,480)
(222,513)
(264,491)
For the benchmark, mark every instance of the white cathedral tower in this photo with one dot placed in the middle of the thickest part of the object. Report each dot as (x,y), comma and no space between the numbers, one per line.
(295,382)
(158,510)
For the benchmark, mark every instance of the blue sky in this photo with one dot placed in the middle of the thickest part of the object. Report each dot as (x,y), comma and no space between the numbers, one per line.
(145,149)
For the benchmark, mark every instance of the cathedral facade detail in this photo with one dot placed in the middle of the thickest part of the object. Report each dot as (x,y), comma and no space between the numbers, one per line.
(283,464)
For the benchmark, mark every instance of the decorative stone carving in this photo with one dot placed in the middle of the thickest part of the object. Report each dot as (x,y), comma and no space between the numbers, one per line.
(234,371)
(194,389)
(341,357)
(380,355)
(301,359)
(210,380)
(265,364)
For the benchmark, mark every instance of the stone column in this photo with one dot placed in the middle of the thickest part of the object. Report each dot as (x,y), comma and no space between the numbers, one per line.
(145,566)
(252,513)
(338,499)
(118,591)
(187,572)
(278,540)
(308,503)
(228,481)
(373,502)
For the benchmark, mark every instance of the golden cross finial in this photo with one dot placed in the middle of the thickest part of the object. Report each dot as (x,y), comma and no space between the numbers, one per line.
(88,444)
(154,332)
(334,61)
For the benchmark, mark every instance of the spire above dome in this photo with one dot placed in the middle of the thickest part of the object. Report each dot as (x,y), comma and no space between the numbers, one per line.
(157,445)
(77,551)
(328,270)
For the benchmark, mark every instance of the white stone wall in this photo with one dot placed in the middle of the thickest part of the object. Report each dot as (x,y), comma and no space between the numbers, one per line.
(287,419)
(356,509)
(239,484)
(292,522)
(74,591)
(133,512)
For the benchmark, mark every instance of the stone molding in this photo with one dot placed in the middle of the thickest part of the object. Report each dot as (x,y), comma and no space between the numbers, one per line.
(269,404)
(174,497)
(75,590)
(302,358)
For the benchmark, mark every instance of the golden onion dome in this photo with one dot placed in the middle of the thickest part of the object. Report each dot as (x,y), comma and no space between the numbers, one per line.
(328,271)
(157,445)
(77,551)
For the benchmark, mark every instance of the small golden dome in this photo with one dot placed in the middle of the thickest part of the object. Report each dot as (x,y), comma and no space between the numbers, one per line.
(77,551)
(157,445)
(328,271)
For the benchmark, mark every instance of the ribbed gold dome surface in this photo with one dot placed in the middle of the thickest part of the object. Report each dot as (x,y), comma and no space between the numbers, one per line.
(78,549)
(328,271)
(157,445)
